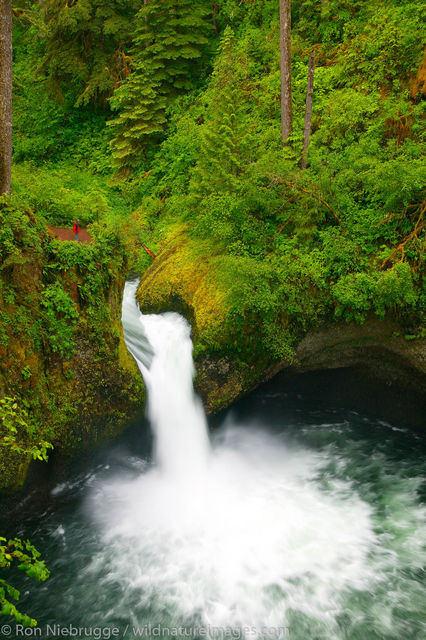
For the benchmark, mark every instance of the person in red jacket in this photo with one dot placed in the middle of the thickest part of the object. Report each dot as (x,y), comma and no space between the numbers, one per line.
(76,229)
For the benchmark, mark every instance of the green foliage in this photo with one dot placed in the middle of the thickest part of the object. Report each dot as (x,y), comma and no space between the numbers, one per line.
(325,22)
(344,238)
(170,41)
(56,292)
(389,46)
(15,234)
(60,315)
(26,372)
(86,43)
(27,559)
(222,137)
(243,15)
(357,293)
(45,128)
(291,246)
(272,301)
(17,432)
(62,193)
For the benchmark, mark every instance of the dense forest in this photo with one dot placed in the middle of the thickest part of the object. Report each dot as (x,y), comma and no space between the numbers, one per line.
(259,164)
(178,129)
(181,130)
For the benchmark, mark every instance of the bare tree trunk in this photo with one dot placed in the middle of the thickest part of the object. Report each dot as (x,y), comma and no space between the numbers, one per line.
(214,12)
(285,49)
(5,95)
(308,110)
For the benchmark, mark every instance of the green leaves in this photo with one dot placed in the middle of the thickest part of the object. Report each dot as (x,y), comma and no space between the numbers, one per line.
(85,46)
(27,559)
(220,161)
(291,248)
(18,435)
(357,293)
(203,154)
(170,42)
(60,315)
(17,432)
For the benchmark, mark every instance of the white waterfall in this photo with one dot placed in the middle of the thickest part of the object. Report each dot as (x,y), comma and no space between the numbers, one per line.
(134,335)
(162,348)
(242,535)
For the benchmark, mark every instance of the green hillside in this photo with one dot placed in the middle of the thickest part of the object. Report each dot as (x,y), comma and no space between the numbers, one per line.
(158,125)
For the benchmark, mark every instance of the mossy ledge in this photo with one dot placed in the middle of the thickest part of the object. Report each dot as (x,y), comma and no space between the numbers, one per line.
(184,281)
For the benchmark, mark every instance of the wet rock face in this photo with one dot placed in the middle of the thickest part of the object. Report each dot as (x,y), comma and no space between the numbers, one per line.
(375,344)
(218,382)
(372,346)
(221,381)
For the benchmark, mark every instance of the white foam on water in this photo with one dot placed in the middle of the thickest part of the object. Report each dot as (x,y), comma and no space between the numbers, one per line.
(243,533)
(251,539)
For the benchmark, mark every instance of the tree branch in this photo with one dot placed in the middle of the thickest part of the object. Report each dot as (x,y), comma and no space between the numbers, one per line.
(418,228)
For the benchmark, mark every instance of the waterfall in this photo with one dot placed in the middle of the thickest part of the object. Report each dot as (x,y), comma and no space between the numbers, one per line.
(134,336)
(246,532)
(301,526)
(162,348)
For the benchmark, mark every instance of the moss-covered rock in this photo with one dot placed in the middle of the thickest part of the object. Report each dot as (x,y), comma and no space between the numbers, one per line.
(182,280)
(61,343)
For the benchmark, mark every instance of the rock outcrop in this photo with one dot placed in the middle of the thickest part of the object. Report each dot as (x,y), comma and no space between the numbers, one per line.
(178,282)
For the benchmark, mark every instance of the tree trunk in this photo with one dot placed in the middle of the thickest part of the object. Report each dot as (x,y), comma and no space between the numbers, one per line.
(214,12)
(5,95)
(308,110)
(285,49)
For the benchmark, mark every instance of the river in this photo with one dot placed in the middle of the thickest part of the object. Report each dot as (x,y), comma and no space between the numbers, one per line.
(291,515)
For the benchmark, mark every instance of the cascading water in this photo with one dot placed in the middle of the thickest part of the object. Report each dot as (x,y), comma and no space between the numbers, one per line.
(162,348)
(134,336)
(306,525)
(259,538)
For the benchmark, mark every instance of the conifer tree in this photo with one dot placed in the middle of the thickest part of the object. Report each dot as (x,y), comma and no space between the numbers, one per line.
(86,44)
(223,136)
(172,36)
